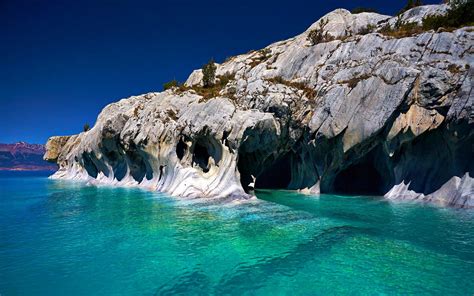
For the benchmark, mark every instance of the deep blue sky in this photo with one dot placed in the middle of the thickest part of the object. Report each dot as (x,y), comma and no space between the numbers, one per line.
(62,61)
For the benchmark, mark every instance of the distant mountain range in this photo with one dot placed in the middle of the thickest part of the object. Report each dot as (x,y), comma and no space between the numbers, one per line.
(22,156)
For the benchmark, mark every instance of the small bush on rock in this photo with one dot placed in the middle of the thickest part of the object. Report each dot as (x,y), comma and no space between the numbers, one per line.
(367,29)
(308,91)
(352,82)
(401,29)
(209,74)
(318,35)
(210,91)
(453,68)
(86,127)
(226,78)
(171,84)
(263,55)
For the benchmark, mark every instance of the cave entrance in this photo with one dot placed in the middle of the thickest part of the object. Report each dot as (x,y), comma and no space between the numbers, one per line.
(201,157)
(360,179)
(276,176)
(139,166)
(89,165)
(207,152)
(181,149)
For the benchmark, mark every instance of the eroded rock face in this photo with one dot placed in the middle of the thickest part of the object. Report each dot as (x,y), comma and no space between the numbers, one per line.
(54,147)
(364,113)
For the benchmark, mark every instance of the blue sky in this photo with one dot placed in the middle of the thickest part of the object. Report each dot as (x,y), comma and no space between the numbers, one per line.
(61,62)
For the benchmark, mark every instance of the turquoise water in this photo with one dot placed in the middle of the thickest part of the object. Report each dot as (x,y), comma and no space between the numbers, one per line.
(61,238)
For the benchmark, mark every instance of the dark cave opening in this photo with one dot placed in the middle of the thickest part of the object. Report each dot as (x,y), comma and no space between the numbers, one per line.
(201,157)
(361,179)
(119,166)
(89,165)
(162,168)
(99,165)
(149,171)
(245,170)
(181,149)
(138,166)
(276,176)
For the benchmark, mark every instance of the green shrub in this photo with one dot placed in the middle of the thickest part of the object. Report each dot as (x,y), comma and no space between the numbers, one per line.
(433,22)
(362,9)
(209,73)
(308,91)
(316,36)
(213,90)
(171,84)
(401,29)
(226,78)
(262,56)
(367,29)
(86,127)
(209,91)
(411,4)
(459,15)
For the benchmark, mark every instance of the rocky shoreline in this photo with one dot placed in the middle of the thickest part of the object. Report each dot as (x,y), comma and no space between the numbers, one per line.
(356,112)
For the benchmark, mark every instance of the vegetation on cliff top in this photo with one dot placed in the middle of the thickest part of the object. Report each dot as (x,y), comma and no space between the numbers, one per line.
(171,84)
(460,14)
(209,74)
(358,10)
(410,4)
(86,127)
(207,92)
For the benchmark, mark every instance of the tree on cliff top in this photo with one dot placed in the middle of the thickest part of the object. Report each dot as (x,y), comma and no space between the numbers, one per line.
(363,9)
(411,4)
(209,74)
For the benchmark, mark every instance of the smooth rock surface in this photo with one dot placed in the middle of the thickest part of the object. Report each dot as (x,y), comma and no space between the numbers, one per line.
(359,114)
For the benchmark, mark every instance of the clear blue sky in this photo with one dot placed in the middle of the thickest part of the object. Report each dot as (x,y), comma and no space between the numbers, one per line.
(62,61)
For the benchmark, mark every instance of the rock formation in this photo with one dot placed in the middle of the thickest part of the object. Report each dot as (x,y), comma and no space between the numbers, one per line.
(355,112)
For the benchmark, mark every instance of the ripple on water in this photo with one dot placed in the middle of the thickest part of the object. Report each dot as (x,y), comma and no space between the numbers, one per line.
(61,238)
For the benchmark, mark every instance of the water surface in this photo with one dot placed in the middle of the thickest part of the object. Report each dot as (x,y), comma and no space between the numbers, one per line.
(61,238)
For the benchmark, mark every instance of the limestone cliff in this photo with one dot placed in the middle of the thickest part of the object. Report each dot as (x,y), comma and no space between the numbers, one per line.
(357,112)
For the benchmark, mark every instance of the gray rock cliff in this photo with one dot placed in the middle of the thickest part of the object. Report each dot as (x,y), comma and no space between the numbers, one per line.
(362,113)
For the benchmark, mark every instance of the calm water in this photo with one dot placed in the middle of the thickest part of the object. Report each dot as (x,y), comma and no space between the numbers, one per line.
(60,238)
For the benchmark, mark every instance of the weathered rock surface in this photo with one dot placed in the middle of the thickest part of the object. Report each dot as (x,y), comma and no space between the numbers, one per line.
(364,113)
(54,147)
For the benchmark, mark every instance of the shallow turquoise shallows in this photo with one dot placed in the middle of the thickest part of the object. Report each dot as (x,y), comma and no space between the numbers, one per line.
(62,238)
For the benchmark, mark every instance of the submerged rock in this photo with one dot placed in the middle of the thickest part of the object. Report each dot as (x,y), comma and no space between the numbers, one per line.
(357,113)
